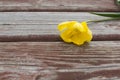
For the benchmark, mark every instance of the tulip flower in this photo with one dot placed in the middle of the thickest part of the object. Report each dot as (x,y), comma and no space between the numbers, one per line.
(79,33)
(75,32)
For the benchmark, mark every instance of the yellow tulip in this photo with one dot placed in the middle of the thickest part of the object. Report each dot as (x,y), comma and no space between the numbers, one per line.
(73,31)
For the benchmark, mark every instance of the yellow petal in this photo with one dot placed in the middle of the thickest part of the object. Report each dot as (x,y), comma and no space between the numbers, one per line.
(62,26)
(84,24)
(65,35)
(79,27)
(89,37)
(68,24)
(77,39)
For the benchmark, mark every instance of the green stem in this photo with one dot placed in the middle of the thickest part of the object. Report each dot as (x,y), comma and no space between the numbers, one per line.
(103,20)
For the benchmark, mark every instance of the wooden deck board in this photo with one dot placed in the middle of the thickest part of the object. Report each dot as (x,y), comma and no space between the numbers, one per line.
(42,26)
(98,60)
(61,5)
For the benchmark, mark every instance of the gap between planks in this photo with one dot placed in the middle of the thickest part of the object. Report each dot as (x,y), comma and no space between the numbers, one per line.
(54,38)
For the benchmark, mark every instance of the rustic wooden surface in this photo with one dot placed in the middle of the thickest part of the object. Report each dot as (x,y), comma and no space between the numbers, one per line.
(99,60)
(42,26)
(58,5)
(31,49)
(46,57)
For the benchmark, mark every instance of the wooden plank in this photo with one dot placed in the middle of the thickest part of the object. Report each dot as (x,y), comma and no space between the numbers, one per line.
(99,60)
(61,5)
(42,26)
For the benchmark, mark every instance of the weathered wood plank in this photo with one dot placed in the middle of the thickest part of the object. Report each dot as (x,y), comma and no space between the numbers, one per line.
(58,5)
(42,26)
(99,60)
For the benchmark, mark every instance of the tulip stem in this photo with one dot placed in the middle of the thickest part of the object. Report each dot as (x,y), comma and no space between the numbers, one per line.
(103,20)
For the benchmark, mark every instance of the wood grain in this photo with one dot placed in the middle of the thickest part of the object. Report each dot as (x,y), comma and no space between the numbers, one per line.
(61,5)
(99,60)
(42,26)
